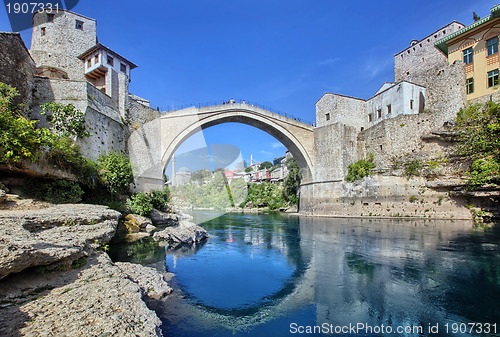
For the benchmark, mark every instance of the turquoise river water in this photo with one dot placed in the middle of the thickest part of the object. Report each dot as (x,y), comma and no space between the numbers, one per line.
(276,275)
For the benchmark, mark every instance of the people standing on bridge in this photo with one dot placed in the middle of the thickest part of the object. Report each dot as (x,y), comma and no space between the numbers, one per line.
(232,101)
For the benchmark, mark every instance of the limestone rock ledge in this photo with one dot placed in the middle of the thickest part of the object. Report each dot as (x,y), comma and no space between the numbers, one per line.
(59,234)
(100,299)
(185,232)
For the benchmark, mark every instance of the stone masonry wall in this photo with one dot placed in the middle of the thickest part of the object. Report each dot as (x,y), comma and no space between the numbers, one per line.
(58,44)
(422,55)
(108,131)
(341,109)
(16,66)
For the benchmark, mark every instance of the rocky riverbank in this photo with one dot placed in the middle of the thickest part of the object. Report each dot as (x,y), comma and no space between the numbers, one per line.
(57,280)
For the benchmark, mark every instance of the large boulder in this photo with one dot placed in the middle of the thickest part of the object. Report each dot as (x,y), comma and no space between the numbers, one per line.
(59,234)
(152,282)
(99,299)
(185,232)
(135,223)
(164,219)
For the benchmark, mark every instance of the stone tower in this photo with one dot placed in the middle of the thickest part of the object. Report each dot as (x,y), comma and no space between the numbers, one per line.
(59,38)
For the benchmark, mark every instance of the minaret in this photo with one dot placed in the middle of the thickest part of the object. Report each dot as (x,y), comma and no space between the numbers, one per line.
(251,160)
(173,170)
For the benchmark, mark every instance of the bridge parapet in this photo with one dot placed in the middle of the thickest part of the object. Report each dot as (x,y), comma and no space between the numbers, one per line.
(210,106)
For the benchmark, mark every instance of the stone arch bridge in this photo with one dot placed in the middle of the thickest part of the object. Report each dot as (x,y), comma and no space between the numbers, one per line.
(152,146)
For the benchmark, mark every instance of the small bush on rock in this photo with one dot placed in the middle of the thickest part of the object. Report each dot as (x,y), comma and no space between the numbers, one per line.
(140,203)
(58,191)
(360,169)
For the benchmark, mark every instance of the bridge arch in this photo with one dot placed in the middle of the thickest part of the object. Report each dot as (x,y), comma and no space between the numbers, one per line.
(296,136)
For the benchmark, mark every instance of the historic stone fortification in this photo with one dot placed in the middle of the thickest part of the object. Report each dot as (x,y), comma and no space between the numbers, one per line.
(403,121)
(421,55)
(17,66)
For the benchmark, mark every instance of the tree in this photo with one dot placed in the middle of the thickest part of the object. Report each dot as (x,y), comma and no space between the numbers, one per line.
(19,138)
(265,165)
(249,169)
(67,121)
(478,128)
(291,183)
(115,170)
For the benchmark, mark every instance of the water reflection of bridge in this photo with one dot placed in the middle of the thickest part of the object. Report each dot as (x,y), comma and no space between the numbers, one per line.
(353,271)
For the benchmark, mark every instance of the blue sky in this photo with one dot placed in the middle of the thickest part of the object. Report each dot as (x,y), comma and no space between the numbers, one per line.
(282,54)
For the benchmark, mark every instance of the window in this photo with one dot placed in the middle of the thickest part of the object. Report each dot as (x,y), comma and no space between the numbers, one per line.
(468,55)
(123,68)
(79,24)
(379,113)
(411,104)
(370,118)
(96,59)
(110,60)
(469,84)
(327,117)
(492,46)
(89,63)
(389,109)
(42,31)
(50,18)
(492,78)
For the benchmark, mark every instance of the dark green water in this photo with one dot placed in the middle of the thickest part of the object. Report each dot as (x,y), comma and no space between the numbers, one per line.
(273,275)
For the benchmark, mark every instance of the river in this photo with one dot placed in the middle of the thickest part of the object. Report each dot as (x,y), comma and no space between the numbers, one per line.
(279,275)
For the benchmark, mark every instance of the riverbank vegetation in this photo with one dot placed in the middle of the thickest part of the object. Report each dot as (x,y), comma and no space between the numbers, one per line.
(213,191)
(478,128)
(22,142)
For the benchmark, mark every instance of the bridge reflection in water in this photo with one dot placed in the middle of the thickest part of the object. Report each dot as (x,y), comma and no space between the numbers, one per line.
(336,271)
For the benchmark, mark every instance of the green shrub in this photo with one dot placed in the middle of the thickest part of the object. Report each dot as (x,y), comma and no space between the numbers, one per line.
(291,184)
(115,171)
(478,128)
(140,203)
(160,199)
(360,169)
(58,191)
(19,138)
(413,168)
(483,170)
(66,120)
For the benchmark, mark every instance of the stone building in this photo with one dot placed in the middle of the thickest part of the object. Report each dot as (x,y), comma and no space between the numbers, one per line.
(391,100)
(477,47)
(422,54)
(72,67)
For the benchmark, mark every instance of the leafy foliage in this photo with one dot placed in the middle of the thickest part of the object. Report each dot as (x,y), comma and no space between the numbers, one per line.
(160,199)
(291,184)
(58,191)
(140,203)
(215,193)
(19,138)
(265,195)
(67,121)
(478,128)
(115,170)
(143,203)
(265,165)
(360,169)
(413,168)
